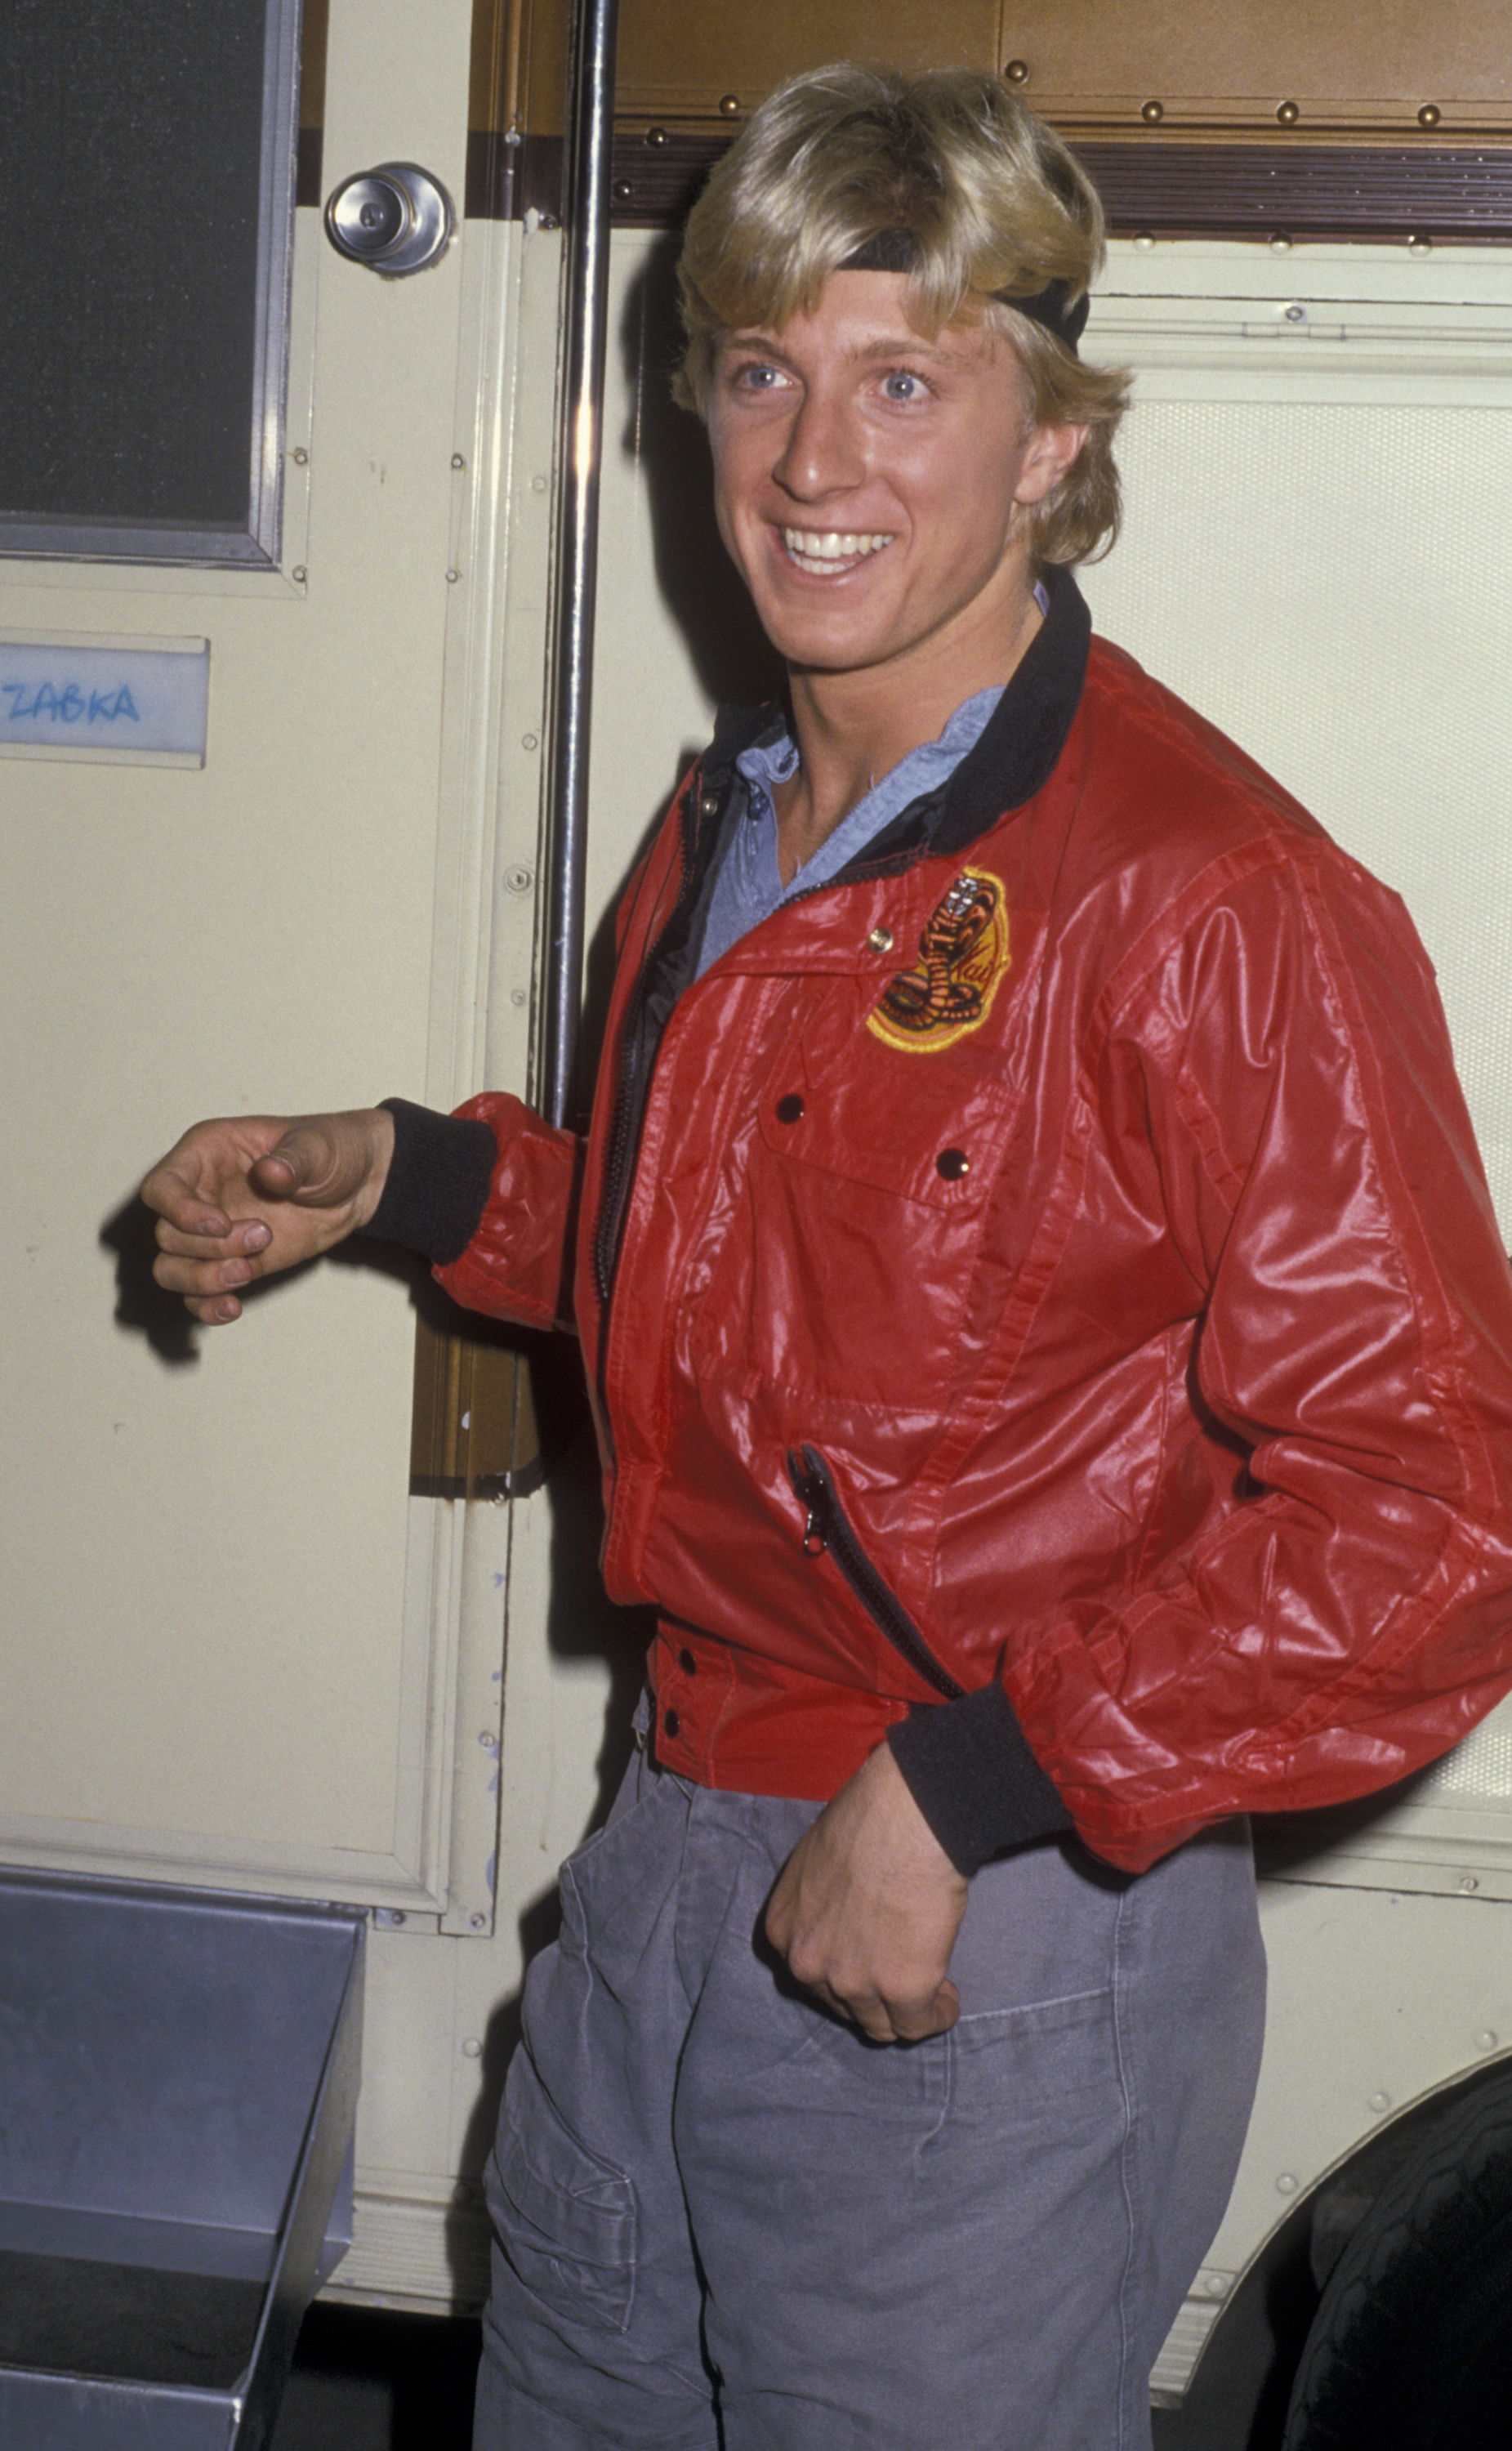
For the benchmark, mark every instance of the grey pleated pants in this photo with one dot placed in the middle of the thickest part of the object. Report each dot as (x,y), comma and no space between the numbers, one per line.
(722,2218)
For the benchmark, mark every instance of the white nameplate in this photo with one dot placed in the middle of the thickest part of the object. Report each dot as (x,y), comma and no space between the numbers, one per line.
(66,698)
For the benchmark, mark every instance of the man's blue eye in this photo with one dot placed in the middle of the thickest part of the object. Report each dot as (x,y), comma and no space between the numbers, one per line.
(901,386)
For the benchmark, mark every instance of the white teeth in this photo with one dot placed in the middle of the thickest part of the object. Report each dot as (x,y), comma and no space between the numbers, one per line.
(812,548)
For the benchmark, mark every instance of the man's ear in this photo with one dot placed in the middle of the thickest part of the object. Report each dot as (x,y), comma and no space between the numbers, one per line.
(1049,457)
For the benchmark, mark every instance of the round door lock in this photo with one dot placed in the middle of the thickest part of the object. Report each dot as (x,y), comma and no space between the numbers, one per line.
(395,219)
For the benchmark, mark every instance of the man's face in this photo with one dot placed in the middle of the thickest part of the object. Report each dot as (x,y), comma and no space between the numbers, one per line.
(869,483)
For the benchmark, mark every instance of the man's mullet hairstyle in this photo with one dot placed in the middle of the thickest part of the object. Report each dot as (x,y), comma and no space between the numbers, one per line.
(987,204)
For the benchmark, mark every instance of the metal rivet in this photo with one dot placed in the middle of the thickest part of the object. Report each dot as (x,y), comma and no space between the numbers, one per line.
(452,576)
(1417,245)
(1296,314)
(538,484)
(1378,2101)
(1216,2285)
(518,997)
(1286,2185)
(709,804)
(656,136)
(302,458)
(457,460)
(729,105)
(1486,2040)
(519,880)
(790,1109)
(472,2048)
(529,741)
(952,1164)
(298,574)
(622,191)
(1280,243)
(1468,1884)
(1152,113)
(1429,115)
(478,1922)
(549,221)
(880,940)
(1145,240)
(671,1722)
(1288,114)
(1017,71)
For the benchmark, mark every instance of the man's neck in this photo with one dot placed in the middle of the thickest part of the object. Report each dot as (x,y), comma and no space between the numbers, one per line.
(853,728)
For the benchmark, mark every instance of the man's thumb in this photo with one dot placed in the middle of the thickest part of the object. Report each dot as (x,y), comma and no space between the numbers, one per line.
(308,1167)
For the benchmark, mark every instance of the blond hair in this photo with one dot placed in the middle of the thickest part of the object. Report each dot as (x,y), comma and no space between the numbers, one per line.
(996,207)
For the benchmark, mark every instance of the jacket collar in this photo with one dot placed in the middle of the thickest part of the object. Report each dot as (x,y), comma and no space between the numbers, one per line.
(1013,760)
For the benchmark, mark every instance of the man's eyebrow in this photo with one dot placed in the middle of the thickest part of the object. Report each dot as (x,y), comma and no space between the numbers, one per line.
(884,346)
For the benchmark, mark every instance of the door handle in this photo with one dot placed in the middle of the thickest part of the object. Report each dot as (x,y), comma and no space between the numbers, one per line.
(395,219)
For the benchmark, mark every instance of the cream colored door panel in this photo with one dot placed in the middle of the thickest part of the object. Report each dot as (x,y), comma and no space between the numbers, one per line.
(233,1647)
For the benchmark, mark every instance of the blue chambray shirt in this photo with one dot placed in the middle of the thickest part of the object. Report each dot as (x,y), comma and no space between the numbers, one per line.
(749,888)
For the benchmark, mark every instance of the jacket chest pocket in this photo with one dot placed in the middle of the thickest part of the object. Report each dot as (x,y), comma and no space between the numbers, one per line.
(851,1240)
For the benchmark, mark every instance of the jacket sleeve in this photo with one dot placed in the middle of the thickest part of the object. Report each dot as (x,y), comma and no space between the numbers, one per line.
(517,1263)
(1287,1074)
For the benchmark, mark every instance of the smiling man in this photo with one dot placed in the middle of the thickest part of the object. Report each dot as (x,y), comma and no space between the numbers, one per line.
(1052,1357)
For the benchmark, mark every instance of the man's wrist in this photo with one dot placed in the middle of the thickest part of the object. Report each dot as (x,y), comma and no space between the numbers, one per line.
(970,1770)
(436,1184)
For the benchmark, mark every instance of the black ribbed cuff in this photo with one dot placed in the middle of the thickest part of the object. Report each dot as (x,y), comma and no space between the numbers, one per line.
(437,1184)
(971,1773)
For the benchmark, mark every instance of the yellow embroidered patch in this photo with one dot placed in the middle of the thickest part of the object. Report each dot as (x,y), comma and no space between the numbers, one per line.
(963,954)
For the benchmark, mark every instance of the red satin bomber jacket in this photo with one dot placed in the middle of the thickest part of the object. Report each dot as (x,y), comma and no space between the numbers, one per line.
(1039,1291)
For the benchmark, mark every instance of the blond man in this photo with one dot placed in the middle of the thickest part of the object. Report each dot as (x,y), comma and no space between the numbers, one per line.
(1054,1365)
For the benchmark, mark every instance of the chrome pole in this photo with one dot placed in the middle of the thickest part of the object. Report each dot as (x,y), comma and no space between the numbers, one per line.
(586,307)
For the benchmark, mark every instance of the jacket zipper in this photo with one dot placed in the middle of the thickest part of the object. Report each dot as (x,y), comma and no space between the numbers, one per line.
(829,1527)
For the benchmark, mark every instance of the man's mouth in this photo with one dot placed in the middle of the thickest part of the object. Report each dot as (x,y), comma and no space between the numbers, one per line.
(823,550)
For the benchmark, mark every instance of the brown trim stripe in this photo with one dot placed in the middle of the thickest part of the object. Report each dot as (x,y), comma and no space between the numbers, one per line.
(1309,191)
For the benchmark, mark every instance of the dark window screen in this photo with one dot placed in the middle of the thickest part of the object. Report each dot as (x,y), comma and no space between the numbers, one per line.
(131,139)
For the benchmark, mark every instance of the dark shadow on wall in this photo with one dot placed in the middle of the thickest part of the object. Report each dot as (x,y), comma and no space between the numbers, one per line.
(697,579)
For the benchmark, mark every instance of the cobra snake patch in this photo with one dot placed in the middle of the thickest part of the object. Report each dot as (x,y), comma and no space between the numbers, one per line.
(963,954)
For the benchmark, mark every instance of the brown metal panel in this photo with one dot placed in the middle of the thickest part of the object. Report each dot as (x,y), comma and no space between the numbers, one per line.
(516,107)
(312,102)
(473,1431)
(686,62)
(1325,66)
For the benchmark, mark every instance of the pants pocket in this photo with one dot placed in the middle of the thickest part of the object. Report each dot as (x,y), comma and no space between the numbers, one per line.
(565,2218)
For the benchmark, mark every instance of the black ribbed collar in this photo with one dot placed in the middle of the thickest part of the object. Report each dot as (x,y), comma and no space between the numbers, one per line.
(1014,758)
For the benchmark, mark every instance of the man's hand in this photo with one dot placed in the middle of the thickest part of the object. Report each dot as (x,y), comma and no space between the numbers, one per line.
(238,1200)
(866,1907)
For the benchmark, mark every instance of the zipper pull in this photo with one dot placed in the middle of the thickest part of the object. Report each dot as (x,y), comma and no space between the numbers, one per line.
(813,1497)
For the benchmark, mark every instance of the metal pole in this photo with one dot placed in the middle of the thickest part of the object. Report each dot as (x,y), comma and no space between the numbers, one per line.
(587,303)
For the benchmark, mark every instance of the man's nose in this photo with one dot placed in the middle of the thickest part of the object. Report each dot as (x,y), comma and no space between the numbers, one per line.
(821,450)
